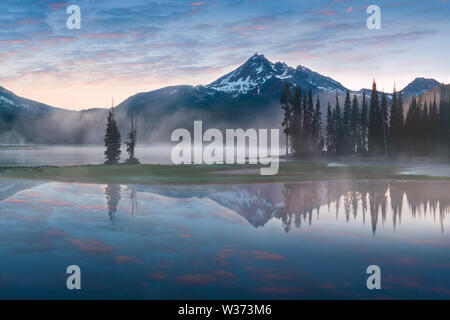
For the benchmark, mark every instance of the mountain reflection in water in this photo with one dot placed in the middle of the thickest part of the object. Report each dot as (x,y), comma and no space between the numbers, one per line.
(299,203)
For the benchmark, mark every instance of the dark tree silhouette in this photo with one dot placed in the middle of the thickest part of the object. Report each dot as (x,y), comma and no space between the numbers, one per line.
(285,102)
(112,140)
(112,193)
(131,143)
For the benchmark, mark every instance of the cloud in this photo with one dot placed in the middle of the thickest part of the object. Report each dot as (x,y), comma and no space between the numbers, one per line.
(145,43)
(196,279)
(90,246)
(126,259)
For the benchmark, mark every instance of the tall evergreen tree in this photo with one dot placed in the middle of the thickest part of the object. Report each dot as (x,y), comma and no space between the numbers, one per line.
(285,102)
(318,142)
(395,133)
(384,122)
(346,125)
(434,127)
(298,147)
(308,111)
(112,140)
(340,137)
(364,124)
(355,125)
(131,143)
(331,131)
(412,122)
(375,128)
(425,131)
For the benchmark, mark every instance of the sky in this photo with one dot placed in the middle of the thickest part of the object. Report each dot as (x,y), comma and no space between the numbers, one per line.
(126,47)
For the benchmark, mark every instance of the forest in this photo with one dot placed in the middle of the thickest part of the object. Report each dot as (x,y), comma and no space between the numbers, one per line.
(378,126)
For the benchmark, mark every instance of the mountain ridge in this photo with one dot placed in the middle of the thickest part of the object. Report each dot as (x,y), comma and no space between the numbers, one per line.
(248,96)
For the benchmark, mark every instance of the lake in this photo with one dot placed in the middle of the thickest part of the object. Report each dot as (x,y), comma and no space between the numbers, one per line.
(259,241)
(69,155)
(29,155)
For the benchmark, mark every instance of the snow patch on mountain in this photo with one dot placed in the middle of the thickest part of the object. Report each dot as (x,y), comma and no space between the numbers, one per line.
(251,75)
(258,70)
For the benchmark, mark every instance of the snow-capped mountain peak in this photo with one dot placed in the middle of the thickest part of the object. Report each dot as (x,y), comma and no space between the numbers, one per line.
(251,75)
(258,70)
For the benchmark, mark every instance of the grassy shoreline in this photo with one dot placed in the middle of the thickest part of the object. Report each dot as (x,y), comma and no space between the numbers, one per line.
(294,171)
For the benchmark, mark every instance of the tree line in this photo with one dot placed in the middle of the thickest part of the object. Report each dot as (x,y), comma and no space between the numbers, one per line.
(377,126)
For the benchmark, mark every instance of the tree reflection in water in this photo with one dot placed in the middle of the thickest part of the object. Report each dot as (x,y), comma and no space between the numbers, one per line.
(112,193)
(359,197)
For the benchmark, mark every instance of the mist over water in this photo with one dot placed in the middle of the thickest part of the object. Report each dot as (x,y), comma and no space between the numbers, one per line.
(68,155)
(76,155)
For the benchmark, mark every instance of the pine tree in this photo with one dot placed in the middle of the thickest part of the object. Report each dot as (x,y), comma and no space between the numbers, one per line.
(355,126)
(317,128)
(296,127)
(346,124)
(412,134)
(112,140)
(384,122)
(131,143)
(395,132)
(364,124)
(425,130)
(375,128)
(340,137)
(444,119)
(434,127)
(287,112)
(331,131)
(308,110)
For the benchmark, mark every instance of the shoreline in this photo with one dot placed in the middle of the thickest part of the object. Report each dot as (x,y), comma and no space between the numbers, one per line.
(155,174)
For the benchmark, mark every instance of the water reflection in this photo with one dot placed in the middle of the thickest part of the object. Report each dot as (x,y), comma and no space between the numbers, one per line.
(299,203)
(112,193)
(255,241)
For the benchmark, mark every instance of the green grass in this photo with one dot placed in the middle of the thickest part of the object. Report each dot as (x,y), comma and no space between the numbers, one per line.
(295,171)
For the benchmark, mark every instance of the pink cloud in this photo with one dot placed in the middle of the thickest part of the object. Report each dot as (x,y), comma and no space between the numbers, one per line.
(196,4)
(57,40)
(57,233)
(126,259)
(16,201)
(264,255)
(13,41)
(91,246)
(104,36)
(57,203)
(224,274)
(196,279)
(257,255)
(58,5)
(185,235)
(327,12)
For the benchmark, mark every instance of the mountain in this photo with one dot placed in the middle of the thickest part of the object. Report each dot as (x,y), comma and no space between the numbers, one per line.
(246,97)
(253,74)
(13,104)
(419,86)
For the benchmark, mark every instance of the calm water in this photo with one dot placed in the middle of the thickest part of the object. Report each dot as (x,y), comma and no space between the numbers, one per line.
(281,241)
(79,155)
(75,155)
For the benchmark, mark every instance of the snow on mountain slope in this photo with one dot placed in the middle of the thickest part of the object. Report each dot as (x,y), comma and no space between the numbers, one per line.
(258,70)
